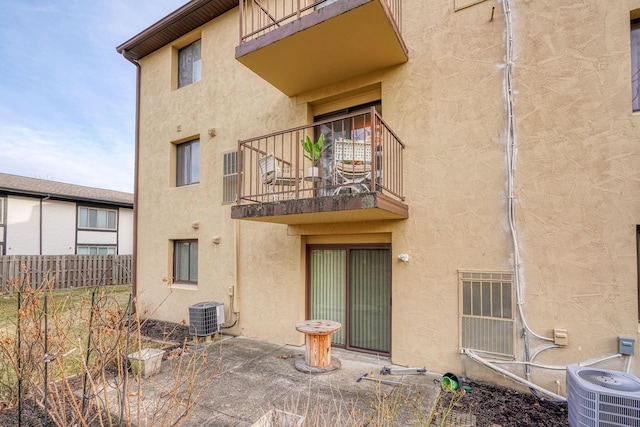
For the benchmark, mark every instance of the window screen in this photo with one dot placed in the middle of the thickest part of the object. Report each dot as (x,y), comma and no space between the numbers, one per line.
(188,163)
(189,64)
(186,261)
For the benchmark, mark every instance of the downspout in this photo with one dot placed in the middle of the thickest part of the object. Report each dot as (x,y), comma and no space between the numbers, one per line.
(234,298)
(236,294)
(134,286)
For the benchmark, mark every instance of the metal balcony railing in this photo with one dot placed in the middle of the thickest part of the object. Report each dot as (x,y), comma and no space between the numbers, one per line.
(258,17)
(355,153)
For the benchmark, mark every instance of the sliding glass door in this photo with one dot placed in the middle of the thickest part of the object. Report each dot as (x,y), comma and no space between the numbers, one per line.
(351,284)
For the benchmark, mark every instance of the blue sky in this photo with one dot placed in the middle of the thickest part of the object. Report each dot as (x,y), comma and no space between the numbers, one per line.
(67,98)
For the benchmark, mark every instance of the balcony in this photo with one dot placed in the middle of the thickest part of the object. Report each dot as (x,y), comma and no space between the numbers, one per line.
(299,45)
(340,170)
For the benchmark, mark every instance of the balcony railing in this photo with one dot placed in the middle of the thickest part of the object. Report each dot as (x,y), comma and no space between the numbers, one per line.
(355,153)
(259,17)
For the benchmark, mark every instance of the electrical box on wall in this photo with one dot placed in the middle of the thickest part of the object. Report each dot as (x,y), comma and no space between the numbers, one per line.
(626,346)
(560,336)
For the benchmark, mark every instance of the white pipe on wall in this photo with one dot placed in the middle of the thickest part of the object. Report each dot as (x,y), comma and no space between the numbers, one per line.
(514,377)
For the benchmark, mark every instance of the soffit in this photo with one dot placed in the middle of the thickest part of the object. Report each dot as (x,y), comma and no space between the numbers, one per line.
(173,26)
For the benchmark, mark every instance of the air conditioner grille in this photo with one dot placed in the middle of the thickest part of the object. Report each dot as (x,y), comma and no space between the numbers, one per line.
(602,398)
(205,318)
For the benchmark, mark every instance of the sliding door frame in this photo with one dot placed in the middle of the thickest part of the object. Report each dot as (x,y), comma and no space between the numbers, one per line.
(346,327)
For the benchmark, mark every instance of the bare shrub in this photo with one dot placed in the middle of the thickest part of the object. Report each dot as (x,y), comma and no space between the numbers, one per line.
(63,358)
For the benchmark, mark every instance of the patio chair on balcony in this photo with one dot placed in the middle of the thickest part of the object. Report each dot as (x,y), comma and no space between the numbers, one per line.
(276,179)
(352,167)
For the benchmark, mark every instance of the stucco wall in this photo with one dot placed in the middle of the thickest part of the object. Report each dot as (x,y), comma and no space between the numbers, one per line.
(576,174)
(577,198)
(167,213)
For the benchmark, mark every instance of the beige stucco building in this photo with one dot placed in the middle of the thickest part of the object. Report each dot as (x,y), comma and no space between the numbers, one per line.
(480,177)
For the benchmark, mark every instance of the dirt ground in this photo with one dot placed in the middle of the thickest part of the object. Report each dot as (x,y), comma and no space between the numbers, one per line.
(165,331)
(492,406)
(499,406)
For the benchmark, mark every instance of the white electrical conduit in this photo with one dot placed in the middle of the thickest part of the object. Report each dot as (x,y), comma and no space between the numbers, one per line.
(514,377)
(553,367)
(541,349)
(628,366)
(510,143)
(537,365)
(602,359)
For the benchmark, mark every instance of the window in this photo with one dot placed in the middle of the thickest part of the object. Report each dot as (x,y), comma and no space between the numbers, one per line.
(189,64)
(487,323)
(185,254)
(635,64)
(96,250)
(356,128)
(188,167)
(1,211)
(230,177)
(101,219)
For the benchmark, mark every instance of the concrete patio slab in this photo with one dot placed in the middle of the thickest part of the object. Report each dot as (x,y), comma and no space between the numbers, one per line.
(246,378)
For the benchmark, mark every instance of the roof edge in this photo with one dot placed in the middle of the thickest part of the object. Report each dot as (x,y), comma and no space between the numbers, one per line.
(66,198)
(157,28)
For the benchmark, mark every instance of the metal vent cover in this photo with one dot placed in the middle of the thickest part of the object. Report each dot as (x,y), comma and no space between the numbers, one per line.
(602,398)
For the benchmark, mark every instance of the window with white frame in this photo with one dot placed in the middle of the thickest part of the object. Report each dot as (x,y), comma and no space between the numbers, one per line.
(185,261)
(188,165)
(635,64)
(98,219)
(96,250)
(1,210)
(230,177)
(486,312)
(189,64)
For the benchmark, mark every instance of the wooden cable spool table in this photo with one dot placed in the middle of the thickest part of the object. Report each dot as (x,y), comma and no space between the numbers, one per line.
(317,358)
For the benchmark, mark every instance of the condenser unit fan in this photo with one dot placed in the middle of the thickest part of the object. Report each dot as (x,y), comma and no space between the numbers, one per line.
(602,398)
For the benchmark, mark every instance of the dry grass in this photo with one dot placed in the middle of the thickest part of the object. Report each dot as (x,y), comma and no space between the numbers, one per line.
(404,405)
(69,351)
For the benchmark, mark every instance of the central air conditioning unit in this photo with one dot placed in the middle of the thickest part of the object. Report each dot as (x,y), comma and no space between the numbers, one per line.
(205,318)
(602,398)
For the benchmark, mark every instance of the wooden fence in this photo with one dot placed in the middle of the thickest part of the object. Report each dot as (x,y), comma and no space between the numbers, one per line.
(66,271)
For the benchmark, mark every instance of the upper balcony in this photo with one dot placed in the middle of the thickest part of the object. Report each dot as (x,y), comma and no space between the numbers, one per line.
(299,45)
(340,170)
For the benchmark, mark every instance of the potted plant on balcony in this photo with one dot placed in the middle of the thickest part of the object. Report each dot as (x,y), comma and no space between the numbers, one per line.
(313,152)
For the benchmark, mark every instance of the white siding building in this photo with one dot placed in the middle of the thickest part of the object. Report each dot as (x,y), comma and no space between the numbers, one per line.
(40,217)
